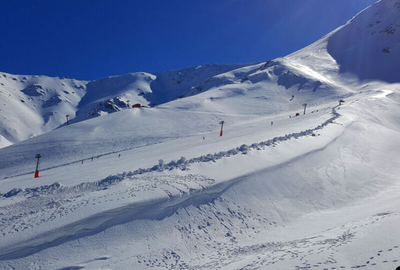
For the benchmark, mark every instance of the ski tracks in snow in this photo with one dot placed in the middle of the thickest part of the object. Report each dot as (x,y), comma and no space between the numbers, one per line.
(56,207)
(40,211)
(215,240)
(323,251)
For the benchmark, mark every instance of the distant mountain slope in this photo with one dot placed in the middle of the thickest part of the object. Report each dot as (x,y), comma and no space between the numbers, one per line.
(366,48)
(369,45)
(33,105)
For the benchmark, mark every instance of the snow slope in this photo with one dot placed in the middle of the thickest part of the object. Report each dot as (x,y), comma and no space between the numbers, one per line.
(366,48)
(224,203)
(368,45)
(33,105)
(266,93)
(158,188)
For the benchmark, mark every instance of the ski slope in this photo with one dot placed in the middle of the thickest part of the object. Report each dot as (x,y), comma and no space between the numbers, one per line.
(254,195)
(159,188)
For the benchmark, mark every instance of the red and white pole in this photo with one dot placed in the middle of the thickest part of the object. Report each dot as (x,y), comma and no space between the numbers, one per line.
(222,125)
(38,156)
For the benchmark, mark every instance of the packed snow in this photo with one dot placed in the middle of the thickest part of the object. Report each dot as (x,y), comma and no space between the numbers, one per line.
(296,181)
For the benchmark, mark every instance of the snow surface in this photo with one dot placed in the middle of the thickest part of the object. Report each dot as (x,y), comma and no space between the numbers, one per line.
(159,188)
(33,105)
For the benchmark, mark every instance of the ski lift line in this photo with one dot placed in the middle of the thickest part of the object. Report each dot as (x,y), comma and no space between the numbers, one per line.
(215,113)
(79,161)
(110,153)
(130,148)
(242,149)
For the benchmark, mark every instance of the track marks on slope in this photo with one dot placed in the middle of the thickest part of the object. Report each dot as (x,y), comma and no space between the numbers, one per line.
(214,238)
(55,203)
(43,207)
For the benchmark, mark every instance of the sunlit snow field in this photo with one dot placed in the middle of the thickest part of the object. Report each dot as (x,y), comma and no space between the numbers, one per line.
(159,188)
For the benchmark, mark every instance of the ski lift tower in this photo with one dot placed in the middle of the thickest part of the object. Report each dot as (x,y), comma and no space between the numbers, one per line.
(305,106)
(38,156)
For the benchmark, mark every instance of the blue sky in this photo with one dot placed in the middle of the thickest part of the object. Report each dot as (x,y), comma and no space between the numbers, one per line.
(92,39)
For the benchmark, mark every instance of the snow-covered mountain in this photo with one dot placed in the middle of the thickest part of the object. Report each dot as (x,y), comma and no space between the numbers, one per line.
(368,45)
(297,181)
(33,105)
(367,48)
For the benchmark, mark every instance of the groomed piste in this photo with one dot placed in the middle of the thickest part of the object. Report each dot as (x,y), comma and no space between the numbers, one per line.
(296,181)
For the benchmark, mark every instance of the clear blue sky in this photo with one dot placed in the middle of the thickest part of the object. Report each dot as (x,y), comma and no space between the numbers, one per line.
(91,39)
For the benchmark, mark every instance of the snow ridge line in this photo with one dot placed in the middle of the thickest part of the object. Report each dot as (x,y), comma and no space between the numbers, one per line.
(181,164)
